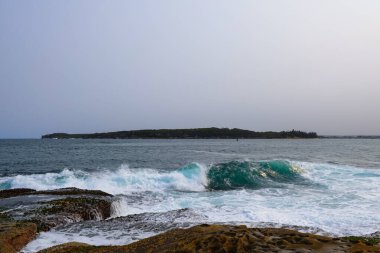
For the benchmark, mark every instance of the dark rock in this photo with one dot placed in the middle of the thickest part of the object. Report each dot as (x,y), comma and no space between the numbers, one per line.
(63,191)
(53,208)
(15,192)
(69,210)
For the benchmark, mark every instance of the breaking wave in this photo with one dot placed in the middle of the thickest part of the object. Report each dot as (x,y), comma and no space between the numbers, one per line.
(252,175)
(193,177)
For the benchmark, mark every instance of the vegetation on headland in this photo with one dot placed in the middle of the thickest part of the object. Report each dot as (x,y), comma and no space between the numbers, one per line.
(194,133)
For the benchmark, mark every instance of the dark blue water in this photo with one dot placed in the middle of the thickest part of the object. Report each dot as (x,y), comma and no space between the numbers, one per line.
(42,156)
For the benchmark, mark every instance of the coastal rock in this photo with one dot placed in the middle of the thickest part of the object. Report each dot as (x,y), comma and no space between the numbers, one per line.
(15,235)
(53,208)
(67,247)
(15,192)
(224,238)
(69,210)
(62,191)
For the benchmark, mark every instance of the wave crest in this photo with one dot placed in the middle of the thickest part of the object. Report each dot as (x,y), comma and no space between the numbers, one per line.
(252,175)
(192,177)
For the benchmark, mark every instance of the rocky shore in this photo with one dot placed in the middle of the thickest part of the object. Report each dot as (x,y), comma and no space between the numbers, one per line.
(25,212)
(44,210)
(225,239)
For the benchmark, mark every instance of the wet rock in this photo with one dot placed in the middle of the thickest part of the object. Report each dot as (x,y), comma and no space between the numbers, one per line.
(374,235)
(224,239)
(15,192)
(53,208)
(69,210)
(62,191)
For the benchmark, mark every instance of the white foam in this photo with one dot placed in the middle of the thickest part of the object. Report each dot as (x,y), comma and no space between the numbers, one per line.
(52,238)
(340,200)
(121,181)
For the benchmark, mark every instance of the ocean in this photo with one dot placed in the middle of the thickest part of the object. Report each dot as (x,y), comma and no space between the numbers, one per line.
(322,186)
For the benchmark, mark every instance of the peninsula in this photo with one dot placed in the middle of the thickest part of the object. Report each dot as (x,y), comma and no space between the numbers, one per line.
(194,133)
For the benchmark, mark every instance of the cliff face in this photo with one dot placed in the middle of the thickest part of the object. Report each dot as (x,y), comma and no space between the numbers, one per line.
(196,133)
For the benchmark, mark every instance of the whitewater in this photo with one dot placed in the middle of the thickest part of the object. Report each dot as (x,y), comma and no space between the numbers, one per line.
(222,185)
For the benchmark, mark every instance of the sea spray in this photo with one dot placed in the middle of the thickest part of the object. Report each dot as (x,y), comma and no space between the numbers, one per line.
(192,177)
(337,199)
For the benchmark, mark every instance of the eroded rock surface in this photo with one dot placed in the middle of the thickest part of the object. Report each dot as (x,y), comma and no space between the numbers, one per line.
(69,210)
(224,238)
(53,208)
(15,235)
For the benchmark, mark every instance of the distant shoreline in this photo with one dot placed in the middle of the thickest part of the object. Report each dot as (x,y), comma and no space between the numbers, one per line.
(194,133)
(349,137)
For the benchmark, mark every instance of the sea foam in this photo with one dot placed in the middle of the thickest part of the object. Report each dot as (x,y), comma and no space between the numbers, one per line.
(193,177)
(338,199)
(120,181)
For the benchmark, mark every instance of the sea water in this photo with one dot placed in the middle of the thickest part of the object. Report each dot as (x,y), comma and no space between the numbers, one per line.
(323,186)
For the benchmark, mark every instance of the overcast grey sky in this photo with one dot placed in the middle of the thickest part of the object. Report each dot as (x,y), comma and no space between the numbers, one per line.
(86,66)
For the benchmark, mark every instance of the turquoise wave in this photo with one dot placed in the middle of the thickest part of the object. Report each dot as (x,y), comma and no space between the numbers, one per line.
(252,175)
(193,177)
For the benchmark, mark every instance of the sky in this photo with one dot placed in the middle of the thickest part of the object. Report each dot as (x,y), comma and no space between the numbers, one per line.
(92,66)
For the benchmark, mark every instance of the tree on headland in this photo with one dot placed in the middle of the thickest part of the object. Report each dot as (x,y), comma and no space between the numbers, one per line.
(192,133)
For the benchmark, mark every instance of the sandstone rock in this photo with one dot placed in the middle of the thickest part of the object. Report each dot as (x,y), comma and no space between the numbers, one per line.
(225,239)
(15,235)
